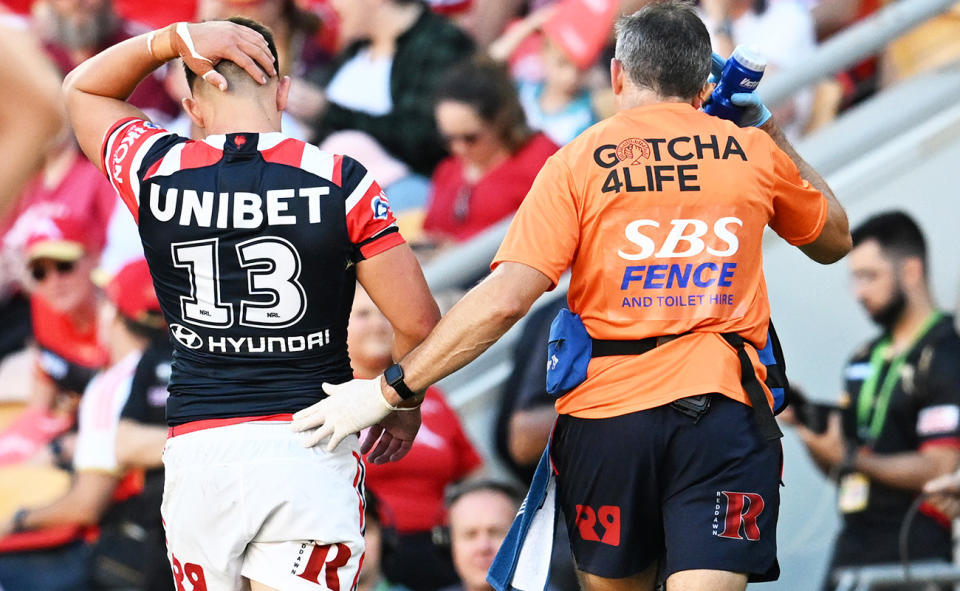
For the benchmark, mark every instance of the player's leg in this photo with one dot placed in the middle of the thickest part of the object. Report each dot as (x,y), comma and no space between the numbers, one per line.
(255,586)
(203,525)
(608,489)
(309,528)
(703,580)
(642,581)
(721,500)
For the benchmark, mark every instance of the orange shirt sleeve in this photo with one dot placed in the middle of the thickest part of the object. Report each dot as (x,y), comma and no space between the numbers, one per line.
(546,229)
(799,210)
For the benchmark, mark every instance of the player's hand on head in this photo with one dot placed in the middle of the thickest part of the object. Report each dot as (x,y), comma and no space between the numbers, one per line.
(391,438)
(349,408)
(203,45)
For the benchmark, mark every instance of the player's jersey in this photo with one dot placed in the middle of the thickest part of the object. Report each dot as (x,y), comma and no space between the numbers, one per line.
(251,240)
(659,212)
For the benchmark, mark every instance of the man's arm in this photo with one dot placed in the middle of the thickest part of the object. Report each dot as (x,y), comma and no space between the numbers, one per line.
(30,113)
(834,240)
(907,470)
(84,504)
(140,445)
(96,91)
(477,321)
(471,326)
(396,285)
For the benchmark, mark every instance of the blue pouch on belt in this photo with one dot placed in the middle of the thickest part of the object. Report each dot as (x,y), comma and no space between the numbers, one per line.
(569,349)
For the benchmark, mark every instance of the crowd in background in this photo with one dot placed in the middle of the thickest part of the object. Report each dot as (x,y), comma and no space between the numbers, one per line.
(453,105)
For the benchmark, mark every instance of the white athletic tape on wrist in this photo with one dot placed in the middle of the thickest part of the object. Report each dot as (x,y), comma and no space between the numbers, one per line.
(184,33)
(150,37)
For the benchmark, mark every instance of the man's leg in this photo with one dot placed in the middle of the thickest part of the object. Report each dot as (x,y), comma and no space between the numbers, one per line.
(706,580)
(642,581)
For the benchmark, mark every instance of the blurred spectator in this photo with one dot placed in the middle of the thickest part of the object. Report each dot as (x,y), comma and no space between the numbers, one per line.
(30,112)
(527,414)
(130,319)
(854,84)
(900,424)
(783,31)
(495,157)
(300,54)
(559,103)
(141,436)
(411,489)
(383,81)
(60,259)
(381,541)
(67,185)
(526,418)
(480,515)
(933,44)
(74,30)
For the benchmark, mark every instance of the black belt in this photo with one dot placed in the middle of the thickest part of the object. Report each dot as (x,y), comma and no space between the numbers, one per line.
(608,348)
(748,375)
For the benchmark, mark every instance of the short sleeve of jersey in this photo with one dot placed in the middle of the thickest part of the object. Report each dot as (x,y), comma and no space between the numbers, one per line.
(370,221)
(545,231)
(129,145)
(98,416)
(938,419)
(799,210)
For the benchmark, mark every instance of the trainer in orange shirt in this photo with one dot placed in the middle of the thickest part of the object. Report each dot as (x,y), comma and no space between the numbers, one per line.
(659,212)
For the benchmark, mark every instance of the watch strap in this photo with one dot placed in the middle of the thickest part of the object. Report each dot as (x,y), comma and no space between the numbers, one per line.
(394,377)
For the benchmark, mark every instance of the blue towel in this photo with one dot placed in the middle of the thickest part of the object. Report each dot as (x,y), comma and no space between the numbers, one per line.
(523,561)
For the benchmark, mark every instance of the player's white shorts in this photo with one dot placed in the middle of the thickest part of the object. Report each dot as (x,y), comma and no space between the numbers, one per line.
(248,501)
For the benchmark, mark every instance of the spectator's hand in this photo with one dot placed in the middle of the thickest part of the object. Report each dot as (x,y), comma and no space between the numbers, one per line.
(393,437)
(204,45)
(305,100)
(828,448)
(755,113)
(349,408)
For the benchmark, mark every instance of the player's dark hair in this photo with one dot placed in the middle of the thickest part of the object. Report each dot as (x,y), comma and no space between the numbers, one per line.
(665,47)
(461,489)
(897,234)
(486,87)
(249,23)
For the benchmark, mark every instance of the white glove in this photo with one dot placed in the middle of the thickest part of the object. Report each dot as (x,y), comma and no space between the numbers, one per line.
(349,408)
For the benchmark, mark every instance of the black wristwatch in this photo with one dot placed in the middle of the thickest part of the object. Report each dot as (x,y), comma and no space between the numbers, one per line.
(394,377)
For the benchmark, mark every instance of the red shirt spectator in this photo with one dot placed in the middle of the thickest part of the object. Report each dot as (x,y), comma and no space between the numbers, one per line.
(412,489)
(458,210)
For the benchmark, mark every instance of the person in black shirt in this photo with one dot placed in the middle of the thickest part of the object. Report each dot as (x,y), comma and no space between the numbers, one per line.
(899,424)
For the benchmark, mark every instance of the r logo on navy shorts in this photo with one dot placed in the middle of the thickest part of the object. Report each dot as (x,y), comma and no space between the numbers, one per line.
(655,485)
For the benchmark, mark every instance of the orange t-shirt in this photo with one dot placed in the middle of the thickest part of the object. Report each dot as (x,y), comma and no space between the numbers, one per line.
(660,212)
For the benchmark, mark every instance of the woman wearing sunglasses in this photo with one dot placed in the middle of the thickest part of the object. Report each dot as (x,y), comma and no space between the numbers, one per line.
(494,154)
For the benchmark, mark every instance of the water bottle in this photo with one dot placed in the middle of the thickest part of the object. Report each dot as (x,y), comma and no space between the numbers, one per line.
(741,73)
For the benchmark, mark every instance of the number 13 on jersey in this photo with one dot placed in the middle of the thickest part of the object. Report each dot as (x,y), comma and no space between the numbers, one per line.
(273,267)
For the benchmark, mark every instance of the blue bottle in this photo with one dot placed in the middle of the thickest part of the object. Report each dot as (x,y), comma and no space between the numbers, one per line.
(741,73)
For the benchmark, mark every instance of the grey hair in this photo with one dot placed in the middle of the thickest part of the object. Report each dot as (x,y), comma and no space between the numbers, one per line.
(665,47)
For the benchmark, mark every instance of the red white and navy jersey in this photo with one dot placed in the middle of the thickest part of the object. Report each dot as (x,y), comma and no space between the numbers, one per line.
(252,240)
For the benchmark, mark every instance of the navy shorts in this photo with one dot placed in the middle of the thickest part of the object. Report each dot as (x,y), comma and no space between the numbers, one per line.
(655,485)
